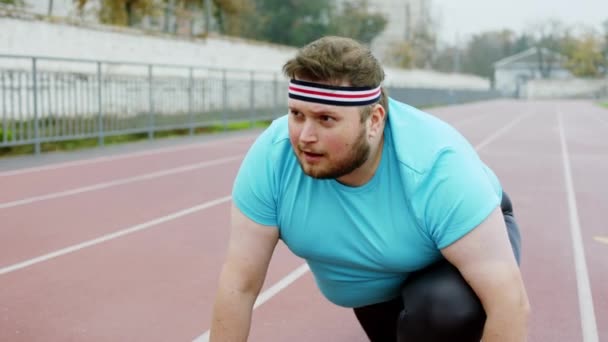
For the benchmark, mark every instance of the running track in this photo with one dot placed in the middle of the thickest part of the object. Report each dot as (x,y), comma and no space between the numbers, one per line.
(129,247)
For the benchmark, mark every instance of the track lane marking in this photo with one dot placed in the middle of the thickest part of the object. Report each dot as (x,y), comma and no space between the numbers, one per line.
(121,181)
(601,239)
(269,293)
(585,298)
(500,132)
(127,155)
(115,235)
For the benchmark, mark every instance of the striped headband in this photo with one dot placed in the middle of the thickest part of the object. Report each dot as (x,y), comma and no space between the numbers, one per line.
(333,95)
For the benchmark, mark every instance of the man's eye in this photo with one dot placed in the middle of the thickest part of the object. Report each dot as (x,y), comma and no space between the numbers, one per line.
(326,118)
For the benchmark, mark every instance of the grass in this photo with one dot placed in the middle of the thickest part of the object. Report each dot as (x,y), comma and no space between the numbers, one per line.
(79,144)
(604,104)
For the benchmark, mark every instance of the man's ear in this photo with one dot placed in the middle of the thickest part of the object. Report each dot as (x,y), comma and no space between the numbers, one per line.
(376,120)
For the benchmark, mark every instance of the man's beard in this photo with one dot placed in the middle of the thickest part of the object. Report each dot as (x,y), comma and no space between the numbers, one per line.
(359,153)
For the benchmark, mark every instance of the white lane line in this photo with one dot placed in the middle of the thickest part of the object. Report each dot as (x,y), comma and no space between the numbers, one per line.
(499,132)
(269,293)
(114,235)
(602,239)
(122,181)
(585,298)
(122,156)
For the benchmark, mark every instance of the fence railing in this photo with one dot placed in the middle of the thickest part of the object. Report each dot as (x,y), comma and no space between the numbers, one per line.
(46,99)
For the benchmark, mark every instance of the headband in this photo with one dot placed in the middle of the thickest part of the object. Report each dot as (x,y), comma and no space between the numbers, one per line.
(333,95)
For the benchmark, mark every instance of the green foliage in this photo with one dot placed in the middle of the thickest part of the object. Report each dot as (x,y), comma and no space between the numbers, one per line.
(12,2)
(448,59)
(72,145)
(586,52)
(294,22)
(357,22)
(232,16)
(298,22)
(402,55)
(486,48)
(125,12)
(5,135)
(586,58)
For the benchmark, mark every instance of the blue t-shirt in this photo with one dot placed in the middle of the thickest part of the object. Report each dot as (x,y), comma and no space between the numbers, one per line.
(361,243)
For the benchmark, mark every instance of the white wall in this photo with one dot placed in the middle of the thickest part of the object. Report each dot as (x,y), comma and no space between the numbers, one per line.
(509,80)
(571,88)
(40,38)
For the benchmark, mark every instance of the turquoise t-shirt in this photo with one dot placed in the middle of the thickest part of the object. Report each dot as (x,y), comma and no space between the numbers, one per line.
(361,243)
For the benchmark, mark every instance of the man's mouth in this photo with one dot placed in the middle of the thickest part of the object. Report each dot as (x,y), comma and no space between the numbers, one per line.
(311,156)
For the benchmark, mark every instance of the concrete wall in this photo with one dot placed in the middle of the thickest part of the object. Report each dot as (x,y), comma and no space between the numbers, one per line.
(19,36)
(571,88)
(509,81)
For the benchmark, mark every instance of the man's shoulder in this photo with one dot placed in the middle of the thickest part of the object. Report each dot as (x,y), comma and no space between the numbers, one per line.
(273,142)
(276,133)
(420,137)
(271,148)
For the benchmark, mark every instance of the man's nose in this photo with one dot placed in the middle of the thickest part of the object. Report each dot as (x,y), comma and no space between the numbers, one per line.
(309,132)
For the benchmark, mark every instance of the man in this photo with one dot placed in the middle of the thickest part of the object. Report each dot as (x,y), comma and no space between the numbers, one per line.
(391,208)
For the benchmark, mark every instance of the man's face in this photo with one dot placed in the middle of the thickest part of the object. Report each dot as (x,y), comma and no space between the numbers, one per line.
(329,141)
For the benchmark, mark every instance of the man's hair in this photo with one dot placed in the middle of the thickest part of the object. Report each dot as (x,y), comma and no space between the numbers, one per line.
(338,60)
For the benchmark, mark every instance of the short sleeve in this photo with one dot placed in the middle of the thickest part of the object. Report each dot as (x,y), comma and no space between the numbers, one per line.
(457,195)
(254,190)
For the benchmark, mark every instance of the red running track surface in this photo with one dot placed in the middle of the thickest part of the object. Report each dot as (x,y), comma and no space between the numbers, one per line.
(128,247)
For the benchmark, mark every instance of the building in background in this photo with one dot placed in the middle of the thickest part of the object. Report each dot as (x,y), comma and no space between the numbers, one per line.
(511,74)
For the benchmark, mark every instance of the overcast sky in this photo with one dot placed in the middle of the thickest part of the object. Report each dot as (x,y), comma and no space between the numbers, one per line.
(461,18)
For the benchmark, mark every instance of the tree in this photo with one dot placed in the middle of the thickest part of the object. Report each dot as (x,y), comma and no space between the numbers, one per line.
(356,21)
(549,35)
(448,59)
(586,59)
(298,22)
(288,22)
(232,16)
(605,47)
(485,49)
(402,55)
(122,12)
(125,12)
(418,49)
(12,2)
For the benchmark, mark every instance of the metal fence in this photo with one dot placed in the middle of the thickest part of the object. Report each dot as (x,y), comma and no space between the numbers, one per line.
(54,99)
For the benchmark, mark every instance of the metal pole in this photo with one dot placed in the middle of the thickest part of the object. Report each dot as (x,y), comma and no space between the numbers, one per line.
(276,96)
(4,111)
(207,17)
(190,99)
(224,99)
(252,112)
(100,140)
(35,90)
(50,10)
(150,104)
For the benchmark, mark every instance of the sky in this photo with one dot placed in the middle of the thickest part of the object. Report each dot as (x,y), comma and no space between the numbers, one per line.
(461,18)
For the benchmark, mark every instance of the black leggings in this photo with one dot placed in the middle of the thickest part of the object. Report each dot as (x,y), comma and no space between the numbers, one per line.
(436,303)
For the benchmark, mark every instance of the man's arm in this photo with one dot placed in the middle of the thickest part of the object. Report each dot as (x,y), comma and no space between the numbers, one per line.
(249,251)
(485,259)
